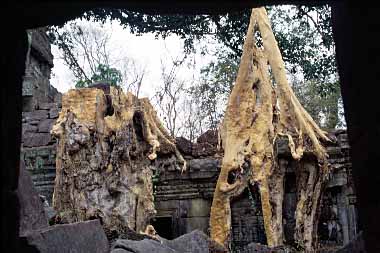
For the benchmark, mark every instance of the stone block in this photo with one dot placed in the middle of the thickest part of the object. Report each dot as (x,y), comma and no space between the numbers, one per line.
(196,207)
(28,128)
(183,145)
(203,149)
(146,245)
(45,125)
(34,122)
(259,248)
(201,223)
(32,213)
(46,106)
(210,136)
(194,242)
(35,115)
(53,113)
(36,139)
(39,157)
(338,179)
(87,236)
(206,164)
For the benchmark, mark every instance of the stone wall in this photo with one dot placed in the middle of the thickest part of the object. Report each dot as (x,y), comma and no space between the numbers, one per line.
(38,149)
(183,201)
(339,216)
(36,88)
(41,105)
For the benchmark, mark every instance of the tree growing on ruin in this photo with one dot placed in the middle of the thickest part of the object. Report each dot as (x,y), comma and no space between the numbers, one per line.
(305,39)
(307,32)
(106,142)
(260,111)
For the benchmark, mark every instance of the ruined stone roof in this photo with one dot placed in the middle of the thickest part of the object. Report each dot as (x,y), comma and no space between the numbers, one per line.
(41,46)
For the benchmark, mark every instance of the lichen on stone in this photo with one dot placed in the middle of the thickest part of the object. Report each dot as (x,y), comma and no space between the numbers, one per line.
(107,140)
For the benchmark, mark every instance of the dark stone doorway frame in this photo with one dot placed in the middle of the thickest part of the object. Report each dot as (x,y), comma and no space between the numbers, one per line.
(164,226)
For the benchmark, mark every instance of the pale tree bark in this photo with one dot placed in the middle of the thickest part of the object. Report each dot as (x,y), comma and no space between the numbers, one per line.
(103,167)
(259,112)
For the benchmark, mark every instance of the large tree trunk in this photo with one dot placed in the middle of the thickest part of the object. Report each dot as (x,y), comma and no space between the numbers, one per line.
(258,112)
(106,141)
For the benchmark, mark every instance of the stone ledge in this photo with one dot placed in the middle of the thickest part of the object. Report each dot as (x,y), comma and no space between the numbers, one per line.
(87,236)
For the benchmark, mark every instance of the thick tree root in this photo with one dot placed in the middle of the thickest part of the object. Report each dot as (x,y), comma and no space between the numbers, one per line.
(258,112)
(103,166)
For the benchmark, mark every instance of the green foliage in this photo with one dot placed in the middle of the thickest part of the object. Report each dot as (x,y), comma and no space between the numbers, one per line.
(305,38)
(322,106)
(216,83)
(304,33)
(85,52)
(104,73)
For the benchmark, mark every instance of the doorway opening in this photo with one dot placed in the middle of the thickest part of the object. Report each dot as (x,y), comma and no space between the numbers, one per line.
(163,226)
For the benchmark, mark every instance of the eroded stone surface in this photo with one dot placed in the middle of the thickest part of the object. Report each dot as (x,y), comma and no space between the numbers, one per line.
(85,236)
(32,214)
(45,125)
(194,242)
(107,144)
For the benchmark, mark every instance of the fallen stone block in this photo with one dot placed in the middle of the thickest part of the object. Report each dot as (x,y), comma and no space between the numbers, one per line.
(184,145)
(194,242)
(32,213)
(146,245)
(87,236)
(210,136)
(259,248)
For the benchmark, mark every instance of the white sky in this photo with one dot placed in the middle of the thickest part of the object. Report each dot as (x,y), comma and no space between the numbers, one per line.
(145,49)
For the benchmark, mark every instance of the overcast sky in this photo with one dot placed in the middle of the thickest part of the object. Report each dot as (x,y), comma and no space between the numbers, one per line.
(145,50)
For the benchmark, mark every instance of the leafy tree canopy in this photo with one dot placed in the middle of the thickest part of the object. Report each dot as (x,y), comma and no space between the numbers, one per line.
(304,33)
(104,73)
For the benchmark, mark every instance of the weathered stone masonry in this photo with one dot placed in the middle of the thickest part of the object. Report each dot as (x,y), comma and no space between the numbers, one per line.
(41,105)
(183,200)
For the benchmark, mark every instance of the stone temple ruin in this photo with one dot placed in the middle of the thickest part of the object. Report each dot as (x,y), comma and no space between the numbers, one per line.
(86,164)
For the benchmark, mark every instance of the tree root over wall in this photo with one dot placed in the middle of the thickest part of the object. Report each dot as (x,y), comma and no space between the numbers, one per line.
(106,143)
(258,112)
